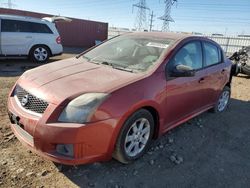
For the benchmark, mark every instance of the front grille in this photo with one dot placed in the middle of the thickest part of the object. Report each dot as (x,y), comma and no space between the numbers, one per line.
(29,101)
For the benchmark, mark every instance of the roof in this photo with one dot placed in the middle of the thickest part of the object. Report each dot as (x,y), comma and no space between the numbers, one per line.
(168,35)
(8,16)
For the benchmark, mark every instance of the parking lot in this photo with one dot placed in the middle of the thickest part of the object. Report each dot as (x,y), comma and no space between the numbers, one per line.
(15,67)
(211,150)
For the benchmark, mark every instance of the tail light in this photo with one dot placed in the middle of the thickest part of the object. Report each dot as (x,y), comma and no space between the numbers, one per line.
(58,40)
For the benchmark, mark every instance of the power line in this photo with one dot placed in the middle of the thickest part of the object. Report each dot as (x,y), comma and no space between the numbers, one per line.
(213,4)
(90,3)
(167,17)
(141,18)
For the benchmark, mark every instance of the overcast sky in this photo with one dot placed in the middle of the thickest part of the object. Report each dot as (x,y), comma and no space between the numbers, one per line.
(207,16)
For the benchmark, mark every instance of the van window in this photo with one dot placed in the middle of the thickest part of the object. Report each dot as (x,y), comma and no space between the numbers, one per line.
(40,28)
(23,26)
(212,54)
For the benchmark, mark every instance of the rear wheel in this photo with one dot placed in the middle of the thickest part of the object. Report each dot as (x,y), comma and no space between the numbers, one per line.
(223,100)
(246,69)
(135,137)
(39,54)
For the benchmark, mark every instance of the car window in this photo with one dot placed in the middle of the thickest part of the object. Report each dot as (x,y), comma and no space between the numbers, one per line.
(40,28)
(212,54)
(23,26)
(9,26)
(189,55)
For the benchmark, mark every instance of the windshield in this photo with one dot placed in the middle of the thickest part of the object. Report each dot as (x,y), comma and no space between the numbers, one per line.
(133,53)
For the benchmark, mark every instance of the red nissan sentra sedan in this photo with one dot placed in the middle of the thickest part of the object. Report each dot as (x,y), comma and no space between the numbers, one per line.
(113,99)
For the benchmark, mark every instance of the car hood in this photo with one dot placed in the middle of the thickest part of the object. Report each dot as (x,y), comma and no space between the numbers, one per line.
(63,79)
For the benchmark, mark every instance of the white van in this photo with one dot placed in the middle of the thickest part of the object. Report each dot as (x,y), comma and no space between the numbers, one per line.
(35,38)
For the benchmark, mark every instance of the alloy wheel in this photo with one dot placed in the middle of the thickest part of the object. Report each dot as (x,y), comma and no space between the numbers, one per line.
(223,101)
(137,137)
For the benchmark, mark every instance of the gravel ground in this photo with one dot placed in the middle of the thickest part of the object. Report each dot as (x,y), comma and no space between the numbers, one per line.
(211,150)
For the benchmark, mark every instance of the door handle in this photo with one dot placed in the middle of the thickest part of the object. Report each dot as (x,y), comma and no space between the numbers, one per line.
(223,70)
(28,37)
(202,80)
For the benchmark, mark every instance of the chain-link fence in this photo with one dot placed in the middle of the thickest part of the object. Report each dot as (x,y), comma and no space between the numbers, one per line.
(231,44)
(113,31)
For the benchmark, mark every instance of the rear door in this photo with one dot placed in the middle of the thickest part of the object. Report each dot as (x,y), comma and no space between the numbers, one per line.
(215,72)
(184,94)
(16,37)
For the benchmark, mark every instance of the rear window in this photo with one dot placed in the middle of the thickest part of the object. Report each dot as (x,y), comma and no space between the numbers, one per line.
(212,54)
(23,26)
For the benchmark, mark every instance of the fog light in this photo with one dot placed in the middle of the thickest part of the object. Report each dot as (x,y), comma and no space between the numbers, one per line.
(65,149)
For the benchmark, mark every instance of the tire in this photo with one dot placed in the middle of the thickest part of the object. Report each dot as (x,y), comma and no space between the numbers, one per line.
(221,106)
(246,70)
(39,54)
(124,151)
(235,70)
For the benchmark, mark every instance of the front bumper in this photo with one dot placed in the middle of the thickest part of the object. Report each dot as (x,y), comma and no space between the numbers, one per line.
(91,142)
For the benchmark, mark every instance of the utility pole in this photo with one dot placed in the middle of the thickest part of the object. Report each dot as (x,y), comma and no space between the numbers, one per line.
(141,18)
(9,4)
(151,21)
(167,17)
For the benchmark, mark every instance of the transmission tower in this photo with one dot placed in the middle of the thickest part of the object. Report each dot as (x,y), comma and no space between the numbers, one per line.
(9,4)
(167,17)
(151,21)
(141,18)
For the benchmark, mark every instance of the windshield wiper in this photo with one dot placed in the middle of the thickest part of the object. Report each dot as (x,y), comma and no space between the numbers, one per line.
(85,57)
(106,63)
(115,66)
(123,68)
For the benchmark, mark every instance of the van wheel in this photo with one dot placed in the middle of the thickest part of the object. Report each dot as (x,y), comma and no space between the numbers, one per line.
(223,100)
(135,137)
(39,54)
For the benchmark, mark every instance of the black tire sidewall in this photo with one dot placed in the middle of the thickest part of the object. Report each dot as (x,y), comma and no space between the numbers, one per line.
(235,69)
(32,57)
(137,115)
(246,70)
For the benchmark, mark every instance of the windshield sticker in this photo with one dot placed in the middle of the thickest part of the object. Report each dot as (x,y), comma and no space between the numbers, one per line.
(157,45)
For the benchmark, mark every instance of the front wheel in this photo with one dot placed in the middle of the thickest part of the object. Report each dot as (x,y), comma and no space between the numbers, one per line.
(135,137)
(39,54)
(223,100)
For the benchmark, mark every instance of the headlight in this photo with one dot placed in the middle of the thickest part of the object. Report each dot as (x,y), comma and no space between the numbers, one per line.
(80,109)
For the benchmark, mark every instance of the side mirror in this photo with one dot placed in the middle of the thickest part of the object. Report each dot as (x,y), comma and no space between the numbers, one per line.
(182,71)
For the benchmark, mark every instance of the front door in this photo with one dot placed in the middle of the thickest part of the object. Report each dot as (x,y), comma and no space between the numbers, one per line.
(184,94)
